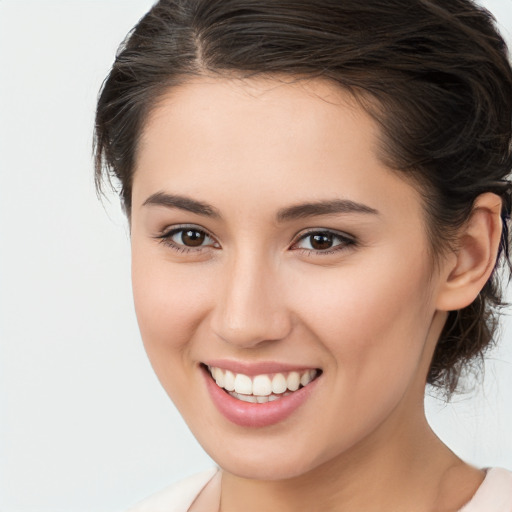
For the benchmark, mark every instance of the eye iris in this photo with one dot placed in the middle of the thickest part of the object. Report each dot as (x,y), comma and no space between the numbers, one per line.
(321,241)
(192,237)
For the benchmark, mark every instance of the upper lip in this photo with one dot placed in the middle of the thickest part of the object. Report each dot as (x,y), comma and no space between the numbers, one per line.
(256,367)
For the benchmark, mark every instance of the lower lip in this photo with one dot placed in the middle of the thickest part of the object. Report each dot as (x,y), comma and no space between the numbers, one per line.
(248,414)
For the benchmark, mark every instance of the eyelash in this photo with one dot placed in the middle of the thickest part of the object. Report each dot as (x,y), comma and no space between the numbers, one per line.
(345,240)
(166,238)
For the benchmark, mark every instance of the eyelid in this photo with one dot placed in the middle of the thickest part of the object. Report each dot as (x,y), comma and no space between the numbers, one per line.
(346,238)
(165,237)
(311,231)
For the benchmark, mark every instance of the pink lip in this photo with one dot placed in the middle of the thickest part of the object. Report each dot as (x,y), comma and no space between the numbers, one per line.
(252,369)
(248,414)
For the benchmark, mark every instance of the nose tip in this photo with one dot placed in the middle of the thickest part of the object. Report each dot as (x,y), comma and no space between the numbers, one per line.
(251,331)
(251,310)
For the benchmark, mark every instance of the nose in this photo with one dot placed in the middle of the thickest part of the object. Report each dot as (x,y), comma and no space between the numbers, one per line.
(251,306)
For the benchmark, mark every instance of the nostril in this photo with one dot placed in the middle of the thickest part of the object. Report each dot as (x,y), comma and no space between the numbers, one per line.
(250,330)
(250,310)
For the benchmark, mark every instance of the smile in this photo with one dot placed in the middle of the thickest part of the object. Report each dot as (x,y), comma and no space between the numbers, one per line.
(261,388)
(259,395)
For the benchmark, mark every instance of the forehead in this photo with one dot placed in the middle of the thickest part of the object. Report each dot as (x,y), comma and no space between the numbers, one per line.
(261,138)
(213,106)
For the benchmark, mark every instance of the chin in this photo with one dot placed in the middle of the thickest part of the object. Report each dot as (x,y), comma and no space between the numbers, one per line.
(268,472)
(263,464)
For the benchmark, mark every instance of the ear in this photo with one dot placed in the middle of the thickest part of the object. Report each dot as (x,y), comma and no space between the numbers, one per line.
(473,262)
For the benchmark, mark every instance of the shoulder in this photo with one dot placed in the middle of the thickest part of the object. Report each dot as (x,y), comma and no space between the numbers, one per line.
(177,497)
(495,493)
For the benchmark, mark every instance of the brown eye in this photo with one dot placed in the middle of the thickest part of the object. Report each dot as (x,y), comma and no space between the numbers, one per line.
(324,242)
(192,237)
(188,238)
(321,241)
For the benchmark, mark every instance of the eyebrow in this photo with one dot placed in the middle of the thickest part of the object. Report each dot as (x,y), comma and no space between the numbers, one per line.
(334,206)
(298,211)
(183,203)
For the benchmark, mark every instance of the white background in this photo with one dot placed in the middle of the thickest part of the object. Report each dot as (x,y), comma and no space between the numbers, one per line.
(84,424)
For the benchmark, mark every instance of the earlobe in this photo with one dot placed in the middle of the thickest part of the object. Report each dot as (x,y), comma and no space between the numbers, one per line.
(475,257)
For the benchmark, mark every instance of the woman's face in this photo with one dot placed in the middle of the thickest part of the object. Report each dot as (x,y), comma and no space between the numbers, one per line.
(271,244)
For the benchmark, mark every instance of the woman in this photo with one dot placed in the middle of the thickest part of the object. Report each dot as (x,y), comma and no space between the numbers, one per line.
(318,203)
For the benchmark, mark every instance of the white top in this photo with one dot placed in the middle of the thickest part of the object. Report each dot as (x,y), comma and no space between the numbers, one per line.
(493,495)
(177,497)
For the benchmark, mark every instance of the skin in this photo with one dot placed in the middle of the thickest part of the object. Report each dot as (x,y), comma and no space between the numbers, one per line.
(368,315)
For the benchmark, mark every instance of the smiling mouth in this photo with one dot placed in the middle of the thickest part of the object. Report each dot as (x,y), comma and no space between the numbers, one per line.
(262,388)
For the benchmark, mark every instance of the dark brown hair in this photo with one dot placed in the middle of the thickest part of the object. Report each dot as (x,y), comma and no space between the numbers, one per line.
(434,74)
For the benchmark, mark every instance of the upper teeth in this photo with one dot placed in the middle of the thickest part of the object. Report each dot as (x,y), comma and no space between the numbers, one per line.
(261,385)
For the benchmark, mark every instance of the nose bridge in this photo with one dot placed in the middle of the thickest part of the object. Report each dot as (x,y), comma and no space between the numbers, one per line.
(250,309)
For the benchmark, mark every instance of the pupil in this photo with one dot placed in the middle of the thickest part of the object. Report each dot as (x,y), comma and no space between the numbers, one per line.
(321,241)
(192,238)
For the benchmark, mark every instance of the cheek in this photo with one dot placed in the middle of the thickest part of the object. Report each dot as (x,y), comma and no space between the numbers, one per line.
(373,326)
(373,319)
(170,304)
